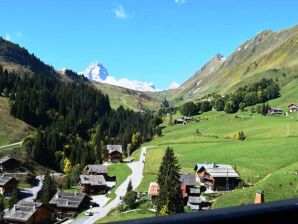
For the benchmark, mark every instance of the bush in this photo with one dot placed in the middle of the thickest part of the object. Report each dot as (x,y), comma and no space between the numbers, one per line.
(239,136)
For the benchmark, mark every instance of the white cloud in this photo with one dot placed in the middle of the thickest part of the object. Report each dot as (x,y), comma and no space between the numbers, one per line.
(173,85)
(120,12)
(180,2)
(7,37)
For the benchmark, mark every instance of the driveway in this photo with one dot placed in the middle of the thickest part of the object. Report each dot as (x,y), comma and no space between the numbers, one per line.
(31,193)
(136,178)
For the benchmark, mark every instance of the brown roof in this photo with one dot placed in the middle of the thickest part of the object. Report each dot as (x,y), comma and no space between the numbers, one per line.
(22,211)
(68,199)
(153,189)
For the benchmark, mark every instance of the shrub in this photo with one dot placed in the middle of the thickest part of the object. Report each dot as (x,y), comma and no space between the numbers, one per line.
(239,136)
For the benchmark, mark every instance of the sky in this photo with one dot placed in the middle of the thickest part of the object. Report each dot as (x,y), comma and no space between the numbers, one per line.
(157,41)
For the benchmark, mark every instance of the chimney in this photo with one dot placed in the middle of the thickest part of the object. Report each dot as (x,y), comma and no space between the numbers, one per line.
(259,197)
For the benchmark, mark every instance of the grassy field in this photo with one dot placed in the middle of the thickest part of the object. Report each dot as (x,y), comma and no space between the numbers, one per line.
(126,216)
(121,171)
(278,185)
(127,98)
(271,146)
(11,129)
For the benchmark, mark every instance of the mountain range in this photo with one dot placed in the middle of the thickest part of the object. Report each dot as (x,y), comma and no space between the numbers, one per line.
(268,54)
(97,72)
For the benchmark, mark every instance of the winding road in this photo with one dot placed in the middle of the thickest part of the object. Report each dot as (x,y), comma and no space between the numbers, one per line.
(135,177)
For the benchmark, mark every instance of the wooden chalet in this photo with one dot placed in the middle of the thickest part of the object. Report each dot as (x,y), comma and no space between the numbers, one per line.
(293,107)
(96,170)
(194,200)
(217,177)
(179,121)
(115,153)
(92,184)
(153,192)
(68,204)
(8,185)
(189,180)
(8,163)
(25,212)
(275,111)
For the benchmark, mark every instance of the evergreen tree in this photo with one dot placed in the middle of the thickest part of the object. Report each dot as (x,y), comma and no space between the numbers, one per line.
(2,207)
(14,198)
(130,196)
(170,198)
(48,189)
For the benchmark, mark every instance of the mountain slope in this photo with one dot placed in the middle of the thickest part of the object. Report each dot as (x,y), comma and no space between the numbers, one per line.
(18,59)
(265,52)
(11,129)
(128,98)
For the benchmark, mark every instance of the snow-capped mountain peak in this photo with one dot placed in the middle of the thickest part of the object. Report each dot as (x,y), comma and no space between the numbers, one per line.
(97,72)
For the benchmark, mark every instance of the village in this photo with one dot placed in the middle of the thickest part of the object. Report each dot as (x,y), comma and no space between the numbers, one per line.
(94,185)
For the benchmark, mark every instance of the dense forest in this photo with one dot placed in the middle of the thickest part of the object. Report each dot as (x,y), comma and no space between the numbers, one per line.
(249,95)
(74,122)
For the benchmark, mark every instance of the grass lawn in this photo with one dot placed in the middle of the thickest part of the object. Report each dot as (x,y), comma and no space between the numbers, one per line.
(126,216)
(24,184)
(11,129)
(72,189)
(121,171)
(279,185)
(271,145)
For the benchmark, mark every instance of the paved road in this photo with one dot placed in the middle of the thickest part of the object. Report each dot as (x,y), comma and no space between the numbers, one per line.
(33,191)
(136,178)
(14,144)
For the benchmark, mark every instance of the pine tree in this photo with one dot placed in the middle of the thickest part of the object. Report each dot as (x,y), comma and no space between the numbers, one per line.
(129,186)
(14,198)
(48,189)
(170,198)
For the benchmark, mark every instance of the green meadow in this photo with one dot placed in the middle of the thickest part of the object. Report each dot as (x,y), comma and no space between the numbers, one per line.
(270,146)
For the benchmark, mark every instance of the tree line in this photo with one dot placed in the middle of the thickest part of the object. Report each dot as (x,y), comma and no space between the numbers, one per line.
(249,95)
(74,121)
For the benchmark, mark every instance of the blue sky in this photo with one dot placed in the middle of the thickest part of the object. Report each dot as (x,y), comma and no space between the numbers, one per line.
(155,40)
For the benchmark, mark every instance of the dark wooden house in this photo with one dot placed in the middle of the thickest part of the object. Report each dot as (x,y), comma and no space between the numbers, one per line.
(92,184)
(25,212)
(115,153)
(293,107)
(8,185)
(217,177)
(8,163)
(275,111)
(68,204)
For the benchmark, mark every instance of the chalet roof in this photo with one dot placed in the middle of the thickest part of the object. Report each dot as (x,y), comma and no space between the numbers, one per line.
(153,189)
(114,148)
(22,211)
(293,105)
(194,190)
(93,180)
(188,179)
(68,199)
(276,108)
(6,158)
(5,179)
(97,168)
(218,170)
(194,199)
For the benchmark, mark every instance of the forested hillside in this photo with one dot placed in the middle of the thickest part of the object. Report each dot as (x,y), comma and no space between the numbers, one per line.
(74,121)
